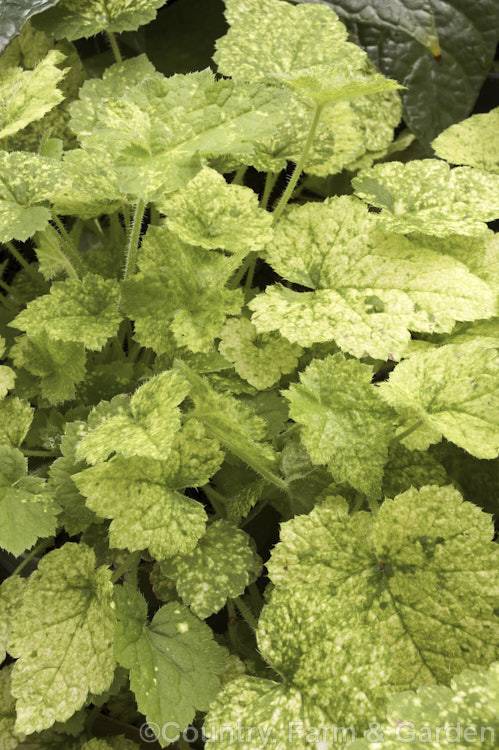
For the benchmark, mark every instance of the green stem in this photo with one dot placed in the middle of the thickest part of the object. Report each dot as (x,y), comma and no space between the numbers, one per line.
(5,287)
(100,231)
(75,265)
(34,552)
(235,281)
(246,612)
(124,566)
(256,597)
(270,181)
(127,219)
(300,164)
(239,176)
(409,431)
(218,501)
(114,47)
(133,242)
(251,272)
(17,255)
(373,506)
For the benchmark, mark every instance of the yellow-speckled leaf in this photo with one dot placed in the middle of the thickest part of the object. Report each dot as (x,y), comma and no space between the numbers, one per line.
(83,312)
(425,567)
(16,416)
(74,19)
(371,288)
(439,717)
(27,508)
(142,496)
(218,568)
(11,595)
(261,360)
(453,391)
(144,426)
(427,196)
(9,738)
(355,686)
(344,422)
(58,364)
(62,637)
(26,181)
(180,290)
(213,214)
(26,95)
(289,38)
(473,141)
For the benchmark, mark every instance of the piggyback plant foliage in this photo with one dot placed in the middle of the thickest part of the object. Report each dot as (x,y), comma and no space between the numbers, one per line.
(206,363)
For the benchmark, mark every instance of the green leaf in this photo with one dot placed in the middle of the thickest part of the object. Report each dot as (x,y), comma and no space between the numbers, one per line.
(212,214)
(62,637)
(180,290)
(427,196)
(83,312)
(74,19)
(59,365)
(76,516)
(156,134)
(142,495)
(7,380)
(234,424)
(173,661)
(412,17)
(16,14)
(455,77)
(27,510)
(422,568)
(26,180)
(355,685)
(88,192)
(325,85)
(11,594)
(471,142)
(9,738)
(405,469)
(50,253)
(453,391)
(439,717)
(27,95)
(344,423)
(218,568)
(15,420)
(261,360)
(289,38)
(371,288)
(145,425)
(268,709)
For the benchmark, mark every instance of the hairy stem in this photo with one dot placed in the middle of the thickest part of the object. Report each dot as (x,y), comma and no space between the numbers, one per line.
(133,241)
(239,176)
(131,560)
(246,612)
(299,164)
(74,267)
(270,181)
(114,46)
